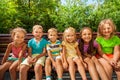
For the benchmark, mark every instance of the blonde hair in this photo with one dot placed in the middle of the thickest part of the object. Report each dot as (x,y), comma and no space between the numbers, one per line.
(37,27)
(71,29)
(18,29)
(52,30)
(102,23)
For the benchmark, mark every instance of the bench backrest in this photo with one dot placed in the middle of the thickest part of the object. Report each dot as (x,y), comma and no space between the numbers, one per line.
(6,38)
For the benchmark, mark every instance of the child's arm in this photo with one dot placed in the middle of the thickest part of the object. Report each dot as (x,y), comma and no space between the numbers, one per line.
(7,52)
(65,64)
(29,52)
(64,54)
(102,54)
(116,54)
(29,57)
(79,53)
(21,54)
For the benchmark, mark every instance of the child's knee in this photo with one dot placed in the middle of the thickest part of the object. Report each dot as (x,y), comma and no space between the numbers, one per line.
(72,64)
(90,62)
(47,61)
(79,62)
(12,69)
(38,67)
(22,68)
(58,61)
(94,58)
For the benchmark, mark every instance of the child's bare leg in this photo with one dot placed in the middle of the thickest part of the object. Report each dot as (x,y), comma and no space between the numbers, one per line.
(81,69)
(12,70)
(100,69)
(59,68)
(118,74)
(48,67)
(23,72)
(38,71)
(107,67)
(3,69)
(92,69)
(71,68)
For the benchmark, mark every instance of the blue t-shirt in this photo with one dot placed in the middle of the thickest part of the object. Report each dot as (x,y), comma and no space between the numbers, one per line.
(37,48)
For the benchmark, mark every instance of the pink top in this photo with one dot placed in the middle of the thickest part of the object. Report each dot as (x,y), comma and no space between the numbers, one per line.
(16,51)
(86,46)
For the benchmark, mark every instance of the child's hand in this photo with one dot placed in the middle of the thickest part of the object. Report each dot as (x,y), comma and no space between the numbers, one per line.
(87,55)
(30,60)
(117,66)
(34,59)
(113,62)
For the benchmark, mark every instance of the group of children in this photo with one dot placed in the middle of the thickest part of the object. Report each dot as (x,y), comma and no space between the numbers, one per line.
(99,56)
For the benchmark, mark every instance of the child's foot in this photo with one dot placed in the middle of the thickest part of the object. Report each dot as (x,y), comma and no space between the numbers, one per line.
(59,78)
(48,79)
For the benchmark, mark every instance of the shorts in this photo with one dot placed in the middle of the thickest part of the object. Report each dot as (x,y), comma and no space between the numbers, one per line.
(56,57)
(14,59)
(109,55)
(73,58)
(41,61)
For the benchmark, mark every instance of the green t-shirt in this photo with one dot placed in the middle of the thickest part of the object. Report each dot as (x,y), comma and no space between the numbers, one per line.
(108,45)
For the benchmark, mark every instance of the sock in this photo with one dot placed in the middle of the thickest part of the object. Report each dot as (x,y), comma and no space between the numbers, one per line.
(48,77)
(59,78)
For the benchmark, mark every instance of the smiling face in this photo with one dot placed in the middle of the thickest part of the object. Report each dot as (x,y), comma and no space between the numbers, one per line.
(86,35)
(37,32)
(18,37)
(70,36)
(106,30)
(52,36)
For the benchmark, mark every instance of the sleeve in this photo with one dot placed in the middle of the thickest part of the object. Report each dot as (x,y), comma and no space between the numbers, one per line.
(48,48)
(117,42)
(98,40)
(63,43)
(29,43)
(46,42)
(76,44)
(95,44)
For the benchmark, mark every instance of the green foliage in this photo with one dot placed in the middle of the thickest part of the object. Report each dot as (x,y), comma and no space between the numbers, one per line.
(55,13)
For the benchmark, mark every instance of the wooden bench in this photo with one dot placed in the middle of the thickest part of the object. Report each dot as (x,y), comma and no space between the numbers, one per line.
(6,38)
